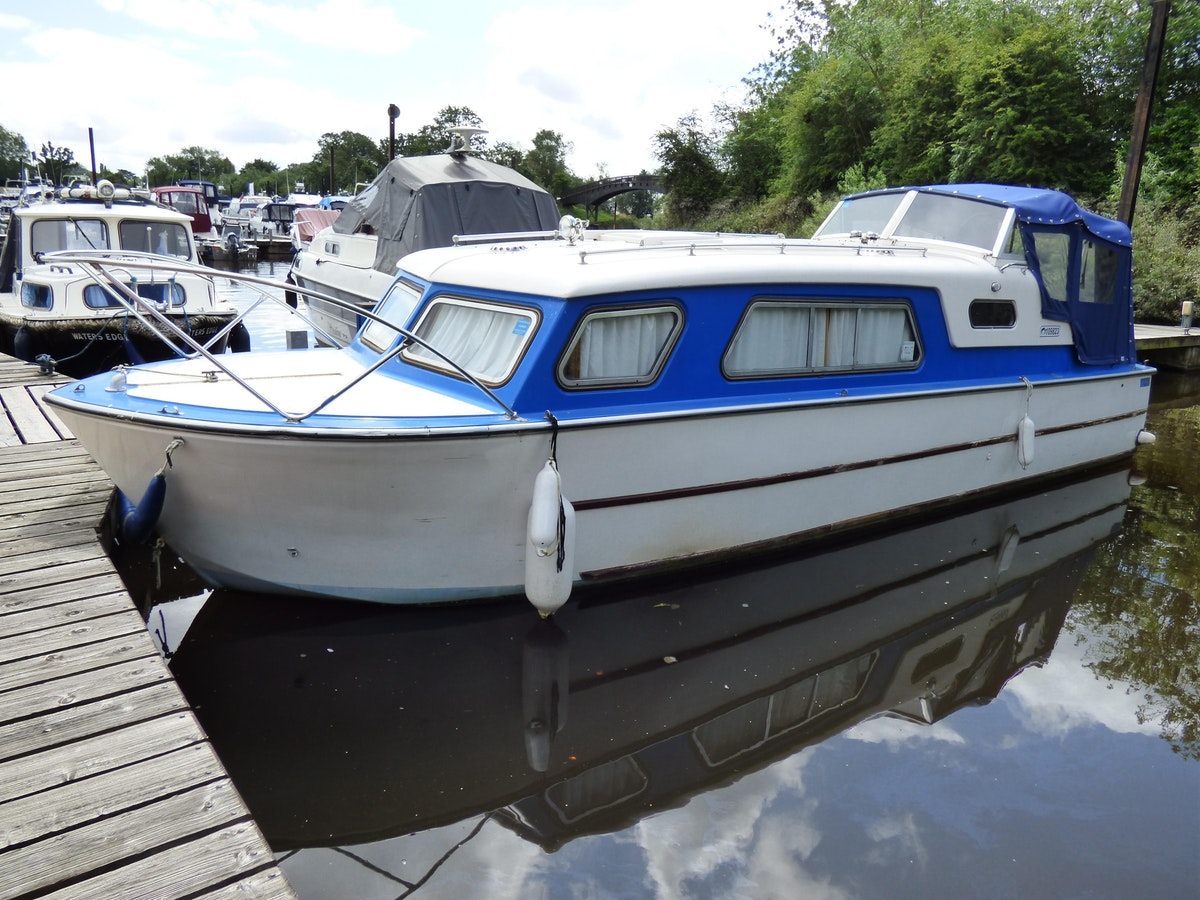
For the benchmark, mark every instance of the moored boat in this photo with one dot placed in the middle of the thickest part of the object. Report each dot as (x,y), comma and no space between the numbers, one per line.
(525,415)
(66,318)
(413,204)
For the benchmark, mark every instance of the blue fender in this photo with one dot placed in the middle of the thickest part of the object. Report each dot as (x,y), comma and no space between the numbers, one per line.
(137,521)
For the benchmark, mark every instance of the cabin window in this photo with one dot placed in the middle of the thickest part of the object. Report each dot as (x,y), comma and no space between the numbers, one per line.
(163,238)
(956,218)
(1053,250)
(864,215)
(1014,244)
(485,339)
(36,296)
(48,235)
(159,292)
(397,305)
(993,313)
(786,337)
(620,347)
(1099,272)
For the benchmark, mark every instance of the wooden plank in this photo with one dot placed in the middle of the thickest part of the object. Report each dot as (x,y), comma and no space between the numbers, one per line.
(8,431)
(51,542)
(63,692)
(70,805)
(46,456)
(72,855)
(91,493)
(64,662)
(63,554)
(38,393)
(92,506)
(30,421)
(70,571)
(266,885)
(181,871)
(66,472)
(53,729)
(42,773)
(19,621)
(63,523)
(73,634)
(99,587)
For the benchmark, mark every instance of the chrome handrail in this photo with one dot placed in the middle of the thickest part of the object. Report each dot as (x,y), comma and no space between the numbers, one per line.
(97,261)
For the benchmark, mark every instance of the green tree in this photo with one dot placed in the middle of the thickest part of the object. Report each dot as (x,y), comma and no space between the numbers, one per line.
(261,173)
(434,137)
(14,153)
(690,173)
(913,139)
(546,163)
(350,156)
(56,162)
(190,162)
(1025,118)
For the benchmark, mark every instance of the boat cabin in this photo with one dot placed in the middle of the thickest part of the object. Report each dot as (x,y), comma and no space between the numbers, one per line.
(188,200)
(896,288)
(89,218)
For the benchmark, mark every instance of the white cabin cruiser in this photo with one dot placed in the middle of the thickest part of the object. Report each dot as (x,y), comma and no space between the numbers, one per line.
(534,416)
(63,317)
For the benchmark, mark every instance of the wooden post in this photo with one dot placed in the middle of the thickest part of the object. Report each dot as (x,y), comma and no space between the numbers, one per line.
(1141,111)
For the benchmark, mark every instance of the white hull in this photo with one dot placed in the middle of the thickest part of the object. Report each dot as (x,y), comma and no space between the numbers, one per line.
(407,517)
(348,276)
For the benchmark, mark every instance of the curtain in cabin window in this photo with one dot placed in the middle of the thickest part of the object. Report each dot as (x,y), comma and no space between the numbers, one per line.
(780,337)
(485,341)
(624,346)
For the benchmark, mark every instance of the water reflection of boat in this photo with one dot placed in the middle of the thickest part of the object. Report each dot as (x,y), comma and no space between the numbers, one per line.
(343,723)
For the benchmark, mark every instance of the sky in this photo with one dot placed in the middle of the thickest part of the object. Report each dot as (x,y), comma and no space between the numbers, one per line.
(264,79)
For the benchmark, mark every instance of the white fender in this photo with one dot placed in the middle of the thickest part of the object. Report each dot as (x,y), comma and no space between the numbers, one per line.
(543,510)
(546,584)
(1025,435)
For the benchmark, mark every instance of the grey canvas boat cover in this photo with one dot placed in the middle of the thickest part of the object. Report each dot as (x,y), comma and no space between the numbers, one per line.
(419,202)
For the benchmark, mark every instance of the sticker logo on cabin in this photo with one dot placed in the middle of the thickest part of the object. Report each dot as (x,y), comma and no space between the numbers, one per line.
(1049,331)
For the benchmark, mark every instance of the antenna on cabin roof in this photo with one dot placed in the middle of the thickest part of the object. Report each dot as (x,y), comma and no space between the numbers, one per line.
(460,140)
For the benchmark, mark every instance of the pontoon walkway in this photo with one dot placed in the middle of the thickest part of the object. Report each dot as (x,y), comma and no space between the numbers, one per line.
(108,785)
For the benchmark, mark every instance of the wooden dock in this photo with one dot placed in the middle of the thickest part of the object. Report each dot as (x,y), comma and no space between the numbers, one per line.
(1168,346)
(108,785)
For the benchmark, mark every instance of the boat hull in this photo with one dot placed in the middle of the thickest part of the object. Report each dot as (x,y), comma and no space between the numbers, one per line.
(423,516)
(85,345)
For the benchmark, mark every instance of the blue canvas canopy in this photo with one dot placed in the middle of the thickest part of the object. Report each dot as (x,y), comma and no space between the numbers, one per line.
(1083,263)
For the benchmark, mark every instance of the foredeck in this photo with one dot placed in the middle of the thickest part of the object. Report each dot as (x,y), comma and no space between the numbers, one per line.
(108,785)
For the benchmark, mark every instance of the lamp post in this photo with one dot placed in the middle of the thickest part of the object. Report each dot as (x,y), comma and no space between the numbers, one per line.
(393,112)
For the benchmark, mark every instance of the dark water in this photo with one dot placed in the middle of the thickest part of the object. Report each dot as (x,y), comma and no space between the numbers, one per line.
(1002,702)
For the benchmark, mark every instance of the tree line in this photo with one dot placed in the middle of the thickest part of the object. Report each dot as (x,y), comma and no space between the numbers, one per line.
(342,162)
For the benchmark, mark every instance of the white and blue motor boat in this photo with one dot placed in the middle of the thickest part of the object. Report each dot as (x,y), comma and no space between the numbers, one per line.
(530,415)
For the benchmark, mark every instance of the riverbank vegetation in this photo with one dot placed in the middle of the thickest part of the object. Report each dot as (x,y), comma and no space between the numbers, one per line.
(886,92)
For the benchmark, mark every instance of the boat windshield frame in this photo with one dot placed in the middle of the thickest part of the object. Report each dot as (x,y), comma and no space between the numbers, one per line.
(926,216)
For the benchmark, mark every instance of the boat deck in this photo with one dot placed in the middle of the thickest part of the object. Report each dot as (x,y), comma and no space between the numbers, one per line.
(108,785)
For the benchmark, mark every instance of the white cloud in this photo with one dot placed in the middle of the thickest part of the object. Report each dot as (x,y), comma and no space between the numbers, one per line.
(179,73)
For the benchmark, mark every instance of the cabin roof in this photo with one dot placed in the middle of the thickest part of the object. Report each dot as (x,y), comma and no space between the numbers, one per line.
(653,261)
(120,209)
